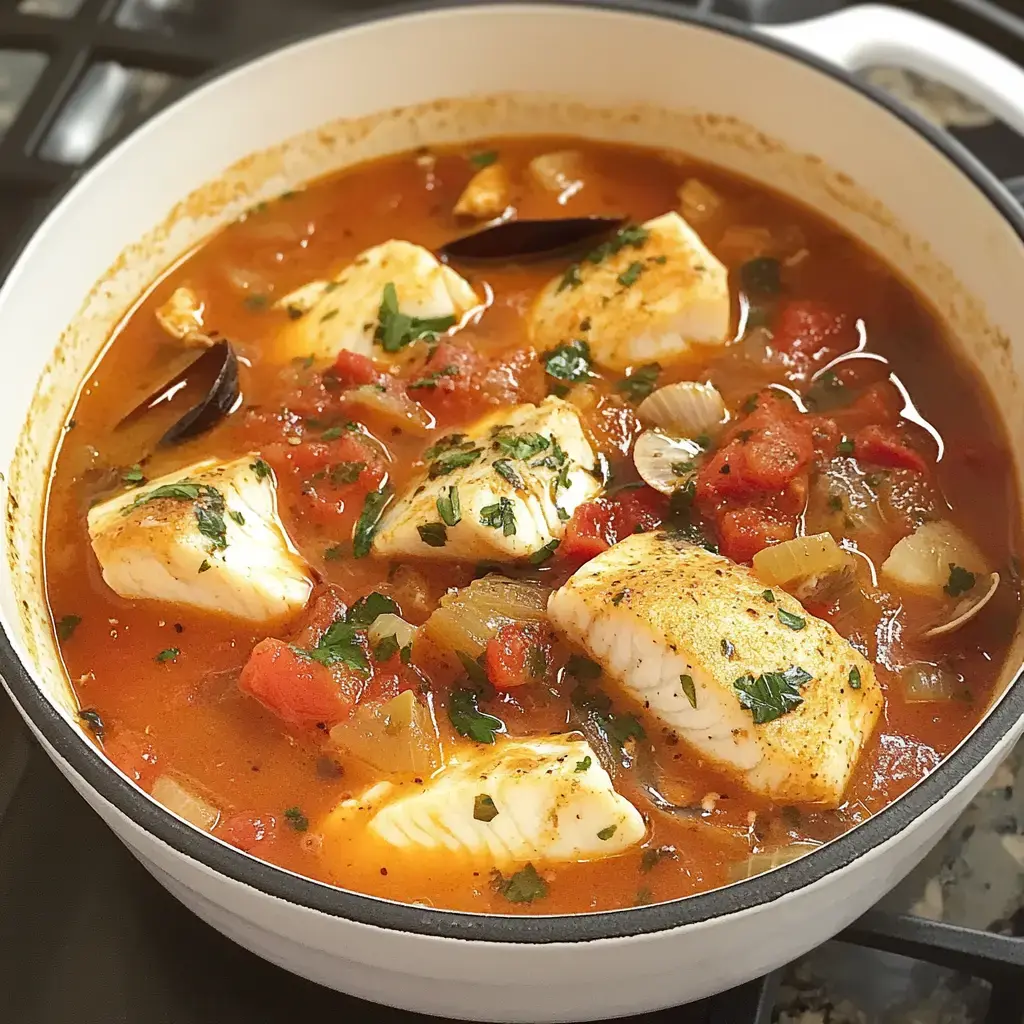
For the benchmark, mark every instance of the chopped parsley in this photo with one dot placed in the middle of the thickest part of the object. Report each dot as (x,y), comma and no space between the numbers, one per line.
(261,469)
(369,520)
(255,302)
(346,472)
(449,507)
(582,668)
(543,554)
(90,717)
(474,670)
(204,565)
(687,686)
(296,819)
(761,277)
(505,469)
(855,678)
(483,158)
(640,383)
(458,455)
(469,721)
(568,361)
(208,503)
(395,329)
(606,833)
(332,433)
(66,626)
(133,476)
(168,654)
(237,517)
(524,886)
(772,694)
(434,535)
(367,609)
(571,278)
(429,382)
(500,516)
(339,646)
(845,447)
(768,596)
(521,446)
(334,552)
(960,581)
(789,619)
(582,766)
(631,236)
(618,728)
(483,808)
(386,648)
(631,274)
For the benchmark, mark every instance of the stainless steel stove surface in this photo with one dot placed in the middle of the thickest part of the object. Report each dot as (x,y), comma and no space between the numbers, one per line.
(87,936)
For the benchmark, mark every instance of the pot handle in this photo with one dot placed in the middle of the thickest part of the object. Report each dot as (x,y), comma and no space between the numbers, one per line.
(873,35)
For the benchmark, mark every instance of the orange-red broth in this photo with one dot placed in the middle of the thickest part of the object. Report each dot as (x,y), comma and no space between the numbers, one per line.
(187,717)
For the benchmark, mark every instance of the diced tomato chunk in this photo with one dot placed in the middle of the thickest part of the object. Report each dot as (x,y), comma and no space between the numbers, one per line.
(353,369)
(885,446)
(742,532)
(247,831)
(517,654)
(596,525)
(299,691)
(806,331)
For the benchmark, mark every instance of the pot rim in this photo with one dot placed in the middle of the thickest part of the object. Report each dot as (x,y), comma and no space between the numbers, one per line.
(747,895)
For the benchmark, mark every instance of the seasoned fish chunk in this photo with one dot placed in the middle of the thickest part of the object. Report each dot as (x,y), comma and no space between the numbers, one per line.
(207,536)
(742,674)
(503,491)
(422,298)
(543,799)
(648,294)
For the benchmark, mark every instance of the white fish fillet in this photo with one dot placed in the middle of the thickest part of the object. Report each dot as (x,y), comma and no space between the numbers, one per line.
(644,303)
(653,610)
(553,802)
(157,551)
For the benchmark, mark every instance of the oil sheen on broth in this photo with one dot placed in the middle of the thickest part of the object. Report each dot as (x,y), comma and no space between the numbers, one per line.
(677,720)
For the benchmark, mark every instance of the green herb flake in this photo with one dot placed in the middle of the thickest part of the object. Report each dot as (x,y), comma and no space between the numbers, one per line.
(368,609)
(236,517)
(369,520)
(524,886)
(845,447)
(606,833)
(768,596)
(640,383)
(469,721)
(960,581)
(395,330)
(584,765)
(521,446)
(569,361)
(761,277)
(632,236)
(794,622)
(434,535)
(204,565)
(483,158)
(855,678)
(387,647)
(505,469)
(500,515)
(346,473)
(571,278)
(631,274)
(686,684)
(483,808)
(340,645)
(296,819)
(772,694)
(256,302)
(474,670)
(66,626)
(332,433)
(168,654)
(449,506)
(429,382)
(545,553)
(582,668)
(334,552)
(133,476)
(456,457)
(261,469)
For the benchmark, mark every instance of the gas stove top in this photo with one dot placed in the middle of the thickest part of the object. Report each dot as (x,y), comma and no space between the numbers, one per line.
(86,935)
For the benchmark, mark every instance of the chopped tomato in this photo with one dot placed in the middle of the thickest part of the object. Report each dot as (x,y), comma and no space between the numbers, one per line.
(298,690)
(886,446)
(878,403)
(353,370)
(517,654)
(807,332)
(596,525)
(247,831)
(742,532)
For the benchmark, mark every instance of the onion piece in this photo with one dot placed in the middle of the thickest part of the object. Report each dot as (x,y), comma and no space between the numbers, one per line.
(686,409)
(466,619)
(560,172)
(394,408)
(800,559)
(923,560)
(923,682)
(486,195)
(390,624)
(758,863)
(966,609)
(186,804)
(182,314)
(399,736)
(665,463)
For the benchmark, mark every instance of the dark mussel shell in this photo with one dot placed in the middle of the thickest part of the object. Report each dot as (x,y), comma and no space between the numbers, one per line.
(215,375)
(530,239)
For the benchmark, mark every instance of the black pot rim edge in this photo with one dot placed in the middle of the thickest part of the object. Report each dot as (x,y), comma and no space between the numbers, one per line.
(566,928)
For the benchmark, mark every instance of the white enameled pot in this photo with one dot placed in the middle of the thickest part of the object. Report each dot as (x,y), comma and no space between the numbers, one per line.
(640,72)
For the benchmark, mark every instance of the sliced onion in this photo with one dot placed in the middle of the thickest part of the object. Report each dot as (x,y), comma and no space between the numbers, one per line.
(186,804)
(182,314)
(698,202)
(965,610)
(924,682)
(393,408)
(800,559)
(665,463)
(389,624)
(758,863)
(304,298)
(466,619)
(686,409)
(560,172)
(922,561)
(399,736)
(486,195)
